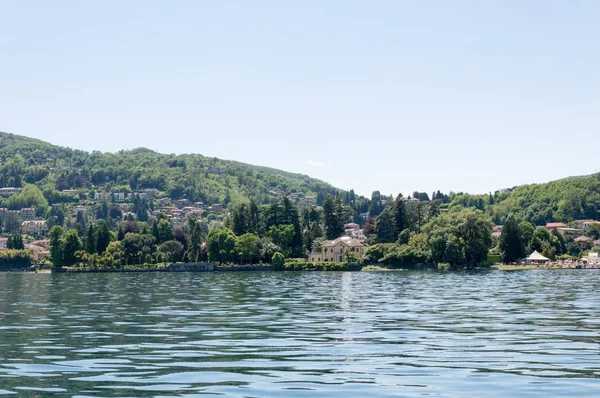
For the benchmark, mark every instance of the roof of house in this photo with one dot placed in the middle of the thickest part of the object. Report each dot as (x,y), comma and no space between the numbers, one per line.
(34,222)
(582,239)
(555,225)
(348,241)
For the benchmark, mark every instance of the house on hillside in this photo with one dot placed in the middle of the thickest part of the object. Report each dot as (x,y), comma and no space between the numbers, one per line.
(9,191)
(555,225)
(34,227)
(335,250)
(3,243)
(583,224)
(351,226)
(27,213)
(569,232)
(583,242)
(101,196)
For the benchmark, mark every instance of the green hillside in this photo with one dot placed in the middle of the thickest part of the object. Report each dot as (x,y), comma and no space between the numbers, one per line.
(569,199)
(197,178)
(190,176)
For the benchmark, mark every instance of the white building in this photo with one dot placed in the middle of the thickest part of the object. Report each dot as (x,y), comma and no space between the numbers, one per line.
(9,191)
(34,227)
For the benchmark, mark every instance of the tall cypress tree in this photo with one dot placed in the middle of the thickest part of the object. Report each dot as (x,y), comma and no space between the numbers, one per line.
(333,226)
(400,217)
(385,228)
(90,242)
(511,244)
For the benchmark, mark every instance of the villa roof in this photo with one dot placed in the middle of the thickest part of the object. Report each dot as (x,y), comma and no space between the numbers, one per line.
(348,241)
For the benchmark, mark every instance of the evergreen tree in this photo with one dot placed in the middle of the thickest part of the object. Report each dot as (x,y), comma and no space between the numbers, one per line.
(253,217)
(71,244)
(333,226)
(385,228)
(291,217)
(511,243)
(155,232)
(102,237)
(56,249)
(240,220)
(90,241)
(400,216)
(15,242)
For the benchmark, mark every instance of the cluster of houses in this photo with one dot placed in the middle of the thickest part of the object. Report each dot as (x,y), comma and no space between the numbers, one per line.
(297,197)
(183,209)
(38,248)
(576,232)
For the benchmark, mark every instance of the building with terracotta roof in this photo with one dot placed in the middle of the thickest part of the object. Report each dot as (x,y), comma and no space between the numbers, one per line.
(335,250)
(583,241)
(555,225)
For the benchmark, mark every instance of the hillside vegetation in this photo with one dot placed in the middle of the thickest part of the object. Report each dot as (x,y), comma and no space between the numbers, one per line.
(190,176)
(564,200)
(195,177)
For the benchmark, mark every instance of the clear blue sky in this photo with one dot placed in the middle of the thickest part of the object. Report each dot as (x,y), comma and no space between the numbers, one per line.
(390,95)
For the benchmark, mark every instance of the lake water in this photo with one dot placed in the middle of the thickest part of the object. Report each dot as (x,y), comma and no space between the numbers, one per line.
(492,334)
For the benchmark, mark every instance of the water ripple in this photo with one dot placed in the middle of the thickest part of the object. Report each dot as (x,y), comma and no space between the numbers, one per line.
(408,334)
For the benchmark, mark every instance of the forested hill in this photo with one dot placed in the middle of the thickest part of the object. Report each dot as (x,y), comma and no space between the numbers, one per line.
(569,199)
(194,177)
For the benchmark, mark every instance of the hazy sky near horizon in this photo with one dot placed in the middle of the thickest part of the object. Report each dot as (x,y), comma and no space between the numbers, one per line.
(393,96)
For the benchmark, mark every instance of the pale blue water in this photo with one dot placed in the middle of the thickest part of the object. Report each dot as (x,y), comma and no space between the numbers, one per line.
(480,334)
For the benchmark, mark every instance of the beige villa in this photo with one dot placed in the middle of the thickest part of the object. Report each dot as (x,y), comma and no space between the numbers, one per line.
(335,250)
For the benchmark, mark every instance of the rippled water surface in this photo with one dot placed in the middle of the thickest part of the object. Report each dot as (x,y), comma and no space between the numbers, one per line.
(528,333)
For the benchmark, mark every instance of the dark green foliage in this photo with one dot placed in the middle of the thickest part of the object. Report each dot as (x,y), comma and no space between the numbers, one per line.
(137,248)
(512,242)
(593,231)
(462,237)
(173,251)
(333,215)
(400,217)
(15,242)
(102,236)
(385,227)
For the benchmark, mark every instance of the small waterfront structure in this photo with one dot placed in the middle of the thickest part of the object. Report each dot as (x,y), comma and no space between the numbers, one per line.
(536,257)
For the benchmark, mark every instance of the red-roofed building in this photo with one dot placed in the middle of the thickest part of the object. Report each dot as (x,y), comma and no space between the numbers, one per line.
(555,225)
